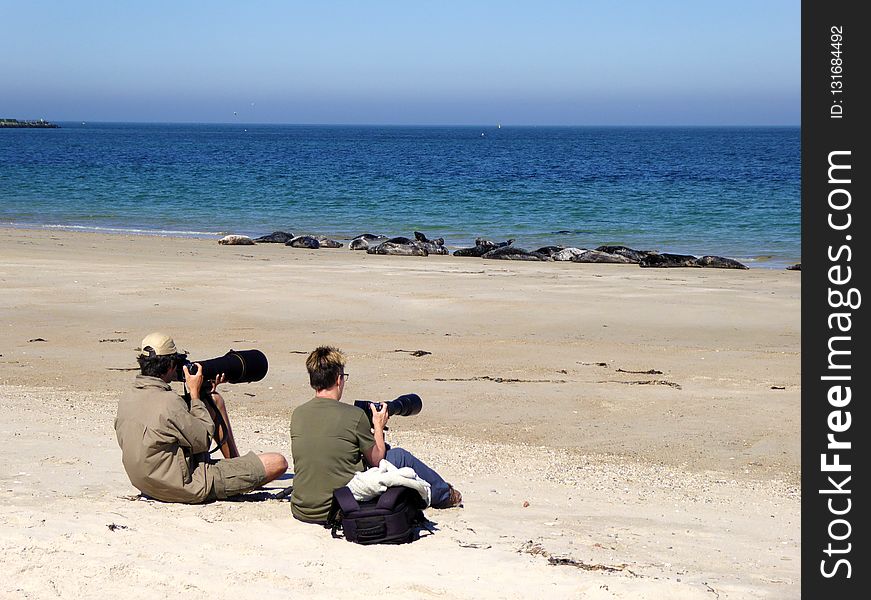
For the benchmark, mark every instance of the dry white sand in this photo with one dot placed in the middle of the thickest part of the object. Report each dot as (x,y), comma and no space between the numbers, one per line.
(683,483)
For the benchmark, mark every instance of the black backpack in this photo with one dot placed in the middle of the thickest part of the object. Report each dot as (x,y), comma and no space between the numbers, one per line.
(393,517)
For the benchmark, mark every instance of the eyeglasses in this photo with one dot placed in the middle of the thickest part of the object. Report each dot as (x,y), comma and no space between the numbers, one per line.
(345,376)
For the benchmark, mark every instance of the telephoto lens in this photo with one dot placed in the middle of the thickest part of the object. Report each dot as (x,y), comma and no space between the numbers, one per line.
(239,366)
(405,405)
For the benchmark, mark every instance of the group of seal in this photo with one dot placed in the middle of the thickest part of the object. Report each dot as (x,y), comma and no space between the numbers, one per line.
(399,246)
(603,254)
(421,245)
(298,241)
(282,237)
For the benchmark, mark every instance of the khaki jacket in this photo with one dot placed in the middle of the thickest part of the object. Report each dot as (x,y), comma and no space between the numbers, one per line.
(164,445)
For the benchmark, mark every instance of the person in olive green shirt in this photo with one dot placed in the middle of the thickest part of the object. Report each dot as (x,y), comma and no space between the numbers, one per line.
(332,441)
(165,443)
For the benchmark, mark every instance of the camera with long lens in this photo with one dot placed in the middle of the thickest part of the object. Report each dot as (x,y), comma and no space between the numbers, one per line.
(405,405)
(239,366)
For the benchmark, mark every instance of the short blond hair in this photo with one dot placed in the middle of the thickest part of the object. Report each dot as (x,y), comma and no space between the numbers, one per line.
(325,364)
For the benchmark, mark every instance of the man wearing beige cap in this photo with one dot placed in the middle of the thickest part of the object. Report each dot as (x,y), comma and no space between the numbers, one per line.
(165,443)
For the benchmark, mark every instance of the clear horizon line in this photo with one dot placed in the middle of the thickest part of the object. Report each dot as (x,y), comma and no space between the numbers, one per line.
(497,124)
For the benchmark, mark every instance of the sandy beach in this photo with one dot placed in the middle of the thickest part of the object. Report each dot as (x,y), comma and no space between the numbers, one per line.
(616,432)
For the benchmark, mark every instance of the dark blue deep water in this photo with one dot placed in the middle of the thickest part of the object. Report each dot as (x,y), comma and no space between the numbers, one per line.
(727,191)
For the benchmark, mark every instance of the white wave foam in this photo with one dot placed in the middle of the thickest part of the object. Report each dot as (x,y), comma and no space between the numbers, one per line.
(125,230)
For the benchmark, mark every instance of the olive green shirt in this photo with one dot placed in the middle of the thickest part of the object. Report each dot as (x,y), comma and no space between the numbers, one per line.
(327,440)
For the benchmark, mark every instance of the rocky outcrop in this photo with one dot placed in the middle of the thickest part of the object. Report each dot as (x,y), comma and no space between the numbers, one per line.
(16,124)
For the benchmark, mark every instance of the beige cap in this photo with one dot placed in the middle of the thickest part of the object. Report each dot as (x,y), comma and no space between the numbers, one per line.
(157,344)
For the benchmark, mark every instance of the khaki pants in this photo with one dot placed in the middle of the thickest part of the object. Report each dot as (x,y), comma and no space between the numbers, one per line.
(233,476)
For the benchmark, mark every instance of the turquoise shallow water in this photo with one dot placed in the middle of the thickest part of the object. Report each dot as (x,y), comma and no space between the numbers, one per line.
(727,191)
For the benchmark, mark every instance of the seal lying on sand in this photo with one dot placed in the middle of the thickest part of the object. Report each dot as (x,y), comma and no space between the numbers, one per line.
(560,253)
(685,260)
(482,247)
(365,240)
(634,255)
(236,240)
(326,242)
(550,250)
(568,253)
(398,249)
(432,248)
(400,246)
(420,237)
(596,256)
(276,237)
(512,253)
(476,251)
(304,241)
(436,246)
(668,260)
(719,262)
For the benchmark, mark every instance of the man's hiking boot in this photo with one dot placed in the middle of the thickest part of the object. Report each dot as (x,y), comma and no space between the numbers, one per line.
(455,498)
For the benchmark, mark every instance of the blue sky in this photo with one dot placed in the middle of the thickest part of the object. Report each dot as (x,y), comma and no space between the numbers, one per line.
(545,62)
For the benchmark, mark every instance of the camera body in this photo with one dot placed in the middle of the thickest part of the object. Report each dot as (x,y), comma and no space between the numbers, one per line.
(405,405)
(239,366)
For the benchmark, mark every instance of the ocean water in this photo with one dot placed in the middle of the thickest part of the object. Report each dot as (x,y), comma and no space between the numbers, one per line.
(731,192)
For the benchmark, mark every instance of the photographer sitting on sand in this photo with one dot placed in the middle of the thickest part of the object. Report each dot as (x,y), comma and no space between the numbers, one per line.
(165,443)
(330,440)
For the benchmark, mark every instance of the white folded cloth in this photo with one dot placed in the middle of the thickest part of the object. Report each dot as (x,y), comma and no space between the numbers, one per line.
(370,483)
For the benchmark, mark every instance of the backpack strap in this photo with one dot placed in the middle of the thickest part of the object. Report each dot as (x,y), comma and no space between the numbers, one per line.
(345,499)
(343,503)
